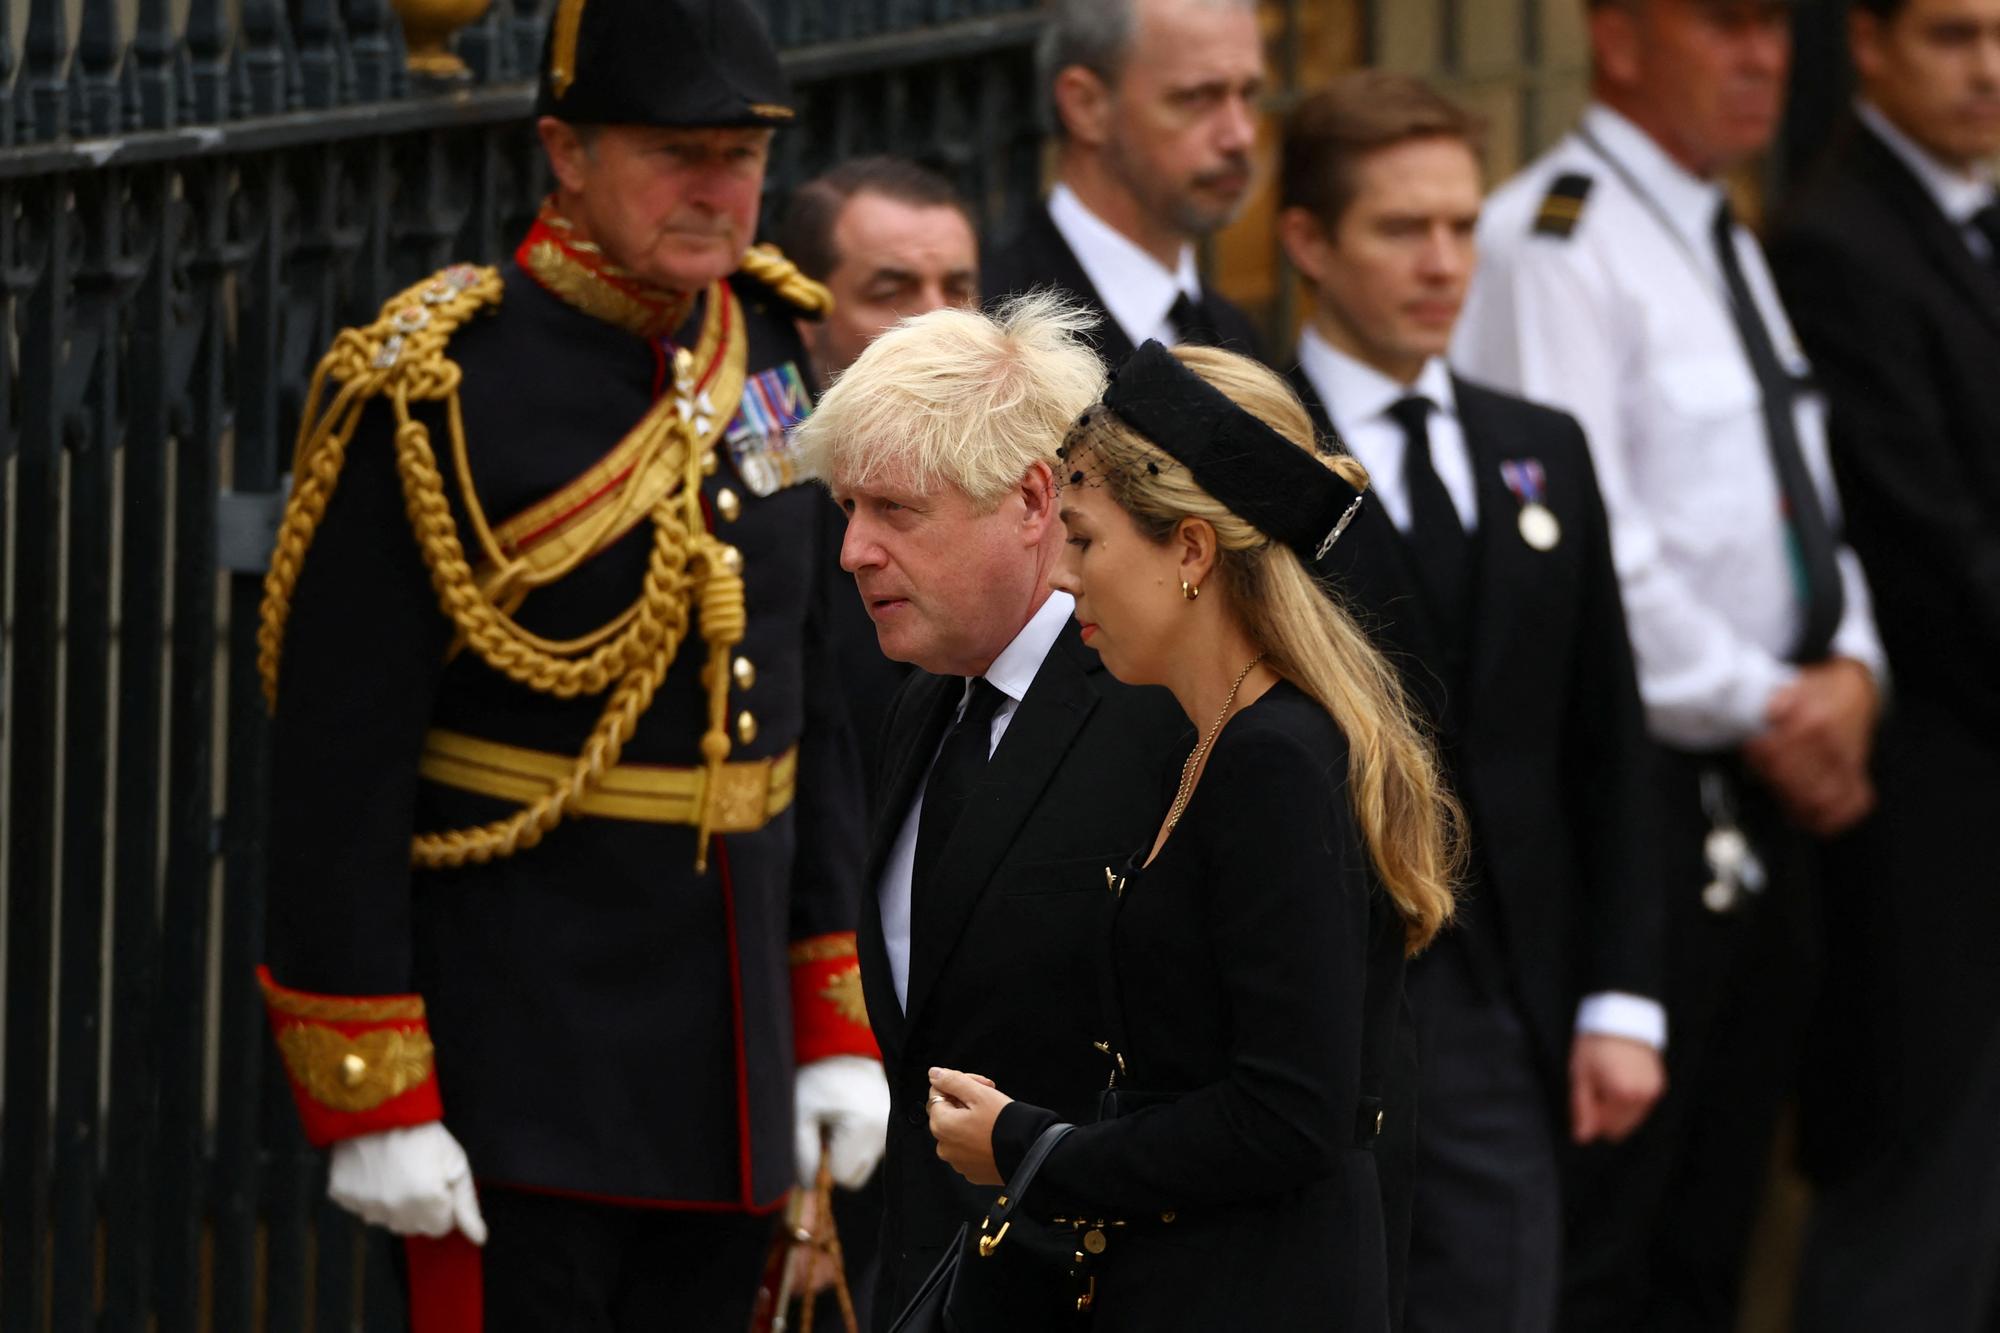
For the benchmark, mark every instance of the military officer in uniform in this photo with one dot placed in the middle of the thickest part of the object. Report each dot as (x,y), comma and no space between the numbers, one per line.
(565,846)
(1616,283)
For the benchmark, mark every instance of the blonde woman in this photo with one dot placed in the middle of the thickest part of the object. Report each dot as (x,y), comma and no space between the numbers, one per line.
(1252,986)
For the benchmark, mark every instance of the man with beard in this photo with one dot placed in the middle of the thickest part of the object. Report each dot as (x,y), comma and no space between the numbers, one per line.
(1154,107)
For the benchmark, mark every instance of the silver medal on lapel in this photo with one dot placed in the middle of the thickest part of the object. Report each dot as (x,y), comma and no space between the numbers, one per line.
(1539,527)
(1530,485)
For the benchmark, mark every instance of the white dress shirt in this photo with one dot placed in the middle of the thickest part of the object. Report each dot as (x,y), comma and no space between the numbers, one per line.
(1137,291)
(1012,672)
(1357,399)
(1625,323)
(1959,194)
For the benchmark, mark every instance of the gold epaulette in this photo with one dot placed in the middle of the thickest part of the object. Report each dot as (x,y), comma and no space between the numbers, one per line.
(768,265)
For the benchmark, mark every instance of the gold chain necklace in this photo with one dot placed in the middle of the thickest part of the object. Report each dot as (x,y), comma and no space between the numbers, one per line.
(1193,764)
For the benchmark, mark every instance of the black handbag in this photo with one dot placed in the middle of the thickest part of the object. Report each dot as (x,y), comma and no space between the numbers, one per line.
(930,1310)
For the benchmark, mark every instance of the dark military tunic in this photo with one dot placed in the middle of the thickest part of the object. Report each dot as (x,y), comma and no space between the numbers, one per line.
(606,1019)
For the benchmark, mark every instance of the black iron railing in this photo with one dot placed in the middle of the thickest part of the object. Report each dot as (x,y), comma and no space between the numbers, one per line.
(188,211)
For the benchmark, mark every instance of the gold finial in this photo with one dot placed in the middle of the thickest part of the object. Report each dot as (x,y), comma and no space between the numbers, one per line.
(562,46)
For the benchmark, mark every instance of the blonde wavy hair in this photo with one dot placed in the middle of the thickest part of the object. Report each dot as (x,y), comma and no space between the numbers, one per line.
(1409,819)
(957,398)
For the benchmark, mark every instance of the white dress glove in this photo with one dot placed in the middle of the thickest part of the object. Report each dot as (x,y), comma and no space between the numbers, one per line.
(415,1181)
(849,1095)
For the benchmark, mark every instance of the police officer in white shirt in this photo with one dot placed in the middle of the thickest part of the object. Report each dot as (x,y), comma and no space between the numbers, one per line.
(1153,104)
(1539,1013)
(1616,284)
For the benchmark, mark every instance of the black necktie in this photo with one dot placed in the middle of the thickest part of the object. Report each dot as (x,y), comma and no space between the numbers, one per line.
(1816,573)
(1987,223)
(1438,538)
(1192,321)
(960,762)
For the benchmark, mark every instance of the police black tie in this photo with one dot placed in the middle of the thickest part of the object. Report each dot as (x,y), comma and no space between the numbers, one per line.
(1193,322)
(1815,571)
(960,763)
(1438,538)
(1987,223)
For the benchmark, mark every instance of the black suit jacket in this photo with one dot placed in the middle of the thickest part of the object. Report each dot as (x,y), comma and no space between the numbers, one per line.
(1002,978)
(1038,256)
(1544,739)
(1902,323)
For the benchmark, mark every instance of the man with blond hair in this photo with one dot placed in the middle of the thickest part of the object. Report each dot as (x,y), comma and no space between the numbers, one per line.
(1014,769)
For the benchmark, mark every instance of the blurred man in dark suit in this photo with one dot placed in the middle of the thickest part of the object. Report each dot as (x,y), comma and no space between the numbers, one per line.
(1890,265)
(1153,104)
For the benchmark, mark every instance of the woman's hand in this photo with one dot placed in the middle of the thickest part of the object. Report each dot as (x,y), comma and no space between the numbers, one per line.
(963,1108)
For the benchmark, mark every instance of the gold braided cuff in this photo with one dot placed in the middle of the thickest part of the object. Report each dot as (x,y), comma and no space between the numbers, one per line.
(357,1064)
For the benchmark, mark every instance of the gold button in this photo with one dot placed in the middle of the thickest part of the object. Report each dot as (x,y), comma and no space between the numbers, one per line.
(729,560)
(746,726)
(352,1070)
(683,364)
(1168,1216)
(709,462)
(1093,1240)
(744,674)
(728,505)
(1378,1122)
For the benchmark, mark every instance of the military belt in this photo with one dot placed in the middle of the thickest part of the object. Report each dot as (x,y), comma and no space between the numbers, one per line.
(748,795)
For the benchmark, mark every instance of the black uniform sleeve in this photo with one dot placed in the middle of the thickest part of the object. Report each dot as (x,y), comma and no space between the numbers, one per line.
(364,649)
(826,878)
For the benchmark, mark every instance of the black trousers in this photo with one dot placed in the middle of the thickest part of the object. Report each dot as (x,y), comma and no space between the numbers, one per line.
(558,1265)
(1486,1231)
(1657,1226)
(1902,1114)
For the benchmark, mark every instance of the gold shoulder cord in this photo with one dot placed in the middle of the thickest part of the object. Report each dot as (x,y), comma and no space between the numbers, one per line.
(401,357)
(768,265)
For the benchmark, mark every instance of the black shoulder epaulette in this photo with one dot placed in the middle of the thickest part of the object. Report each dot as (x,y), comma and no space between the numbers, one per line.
(1562,206)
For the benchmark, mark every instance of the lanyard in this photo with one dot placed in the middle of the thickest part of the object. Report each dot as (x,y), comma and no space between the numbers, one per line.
(1660,215)
(1658,210)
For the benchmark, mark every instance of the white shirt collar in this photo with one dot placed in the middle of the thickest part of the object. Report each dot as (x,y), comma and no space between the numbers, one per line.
(1136,290)
(1013,671)
(1688,200)
(1353,391)
(1960,194)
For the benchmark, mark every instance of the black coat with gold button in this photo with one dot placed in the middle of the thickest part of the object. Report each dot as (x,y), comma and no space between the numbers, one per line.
(606,1018)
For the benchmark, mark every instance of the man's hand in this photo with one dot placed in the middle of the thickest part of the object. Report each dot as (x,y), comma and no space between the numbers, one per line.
(415,1181)
(1814,750)
(963,1108)
(1613,1085)
(848,1095)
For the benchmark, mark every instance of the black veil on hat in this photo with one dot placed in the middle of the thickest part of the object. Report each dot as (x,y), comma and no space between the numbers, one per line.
(1283,491)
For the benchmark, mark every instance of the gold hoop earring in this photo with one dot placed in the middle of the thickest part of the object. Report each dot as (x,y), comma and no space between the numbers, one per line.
(1190,590)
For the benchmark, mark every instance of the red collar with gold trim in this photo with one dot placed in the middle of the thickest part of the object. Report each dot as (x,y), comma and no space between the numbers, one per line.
(577,273)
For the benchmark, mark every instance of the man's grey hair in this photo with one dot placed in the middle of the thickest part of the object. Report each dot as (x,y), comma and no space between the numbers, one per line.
(957,399)
(1096,34)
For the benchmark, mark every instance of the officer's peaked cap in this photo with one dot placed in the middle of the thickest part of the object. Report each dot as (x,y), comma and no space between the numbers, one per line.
(695,63)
